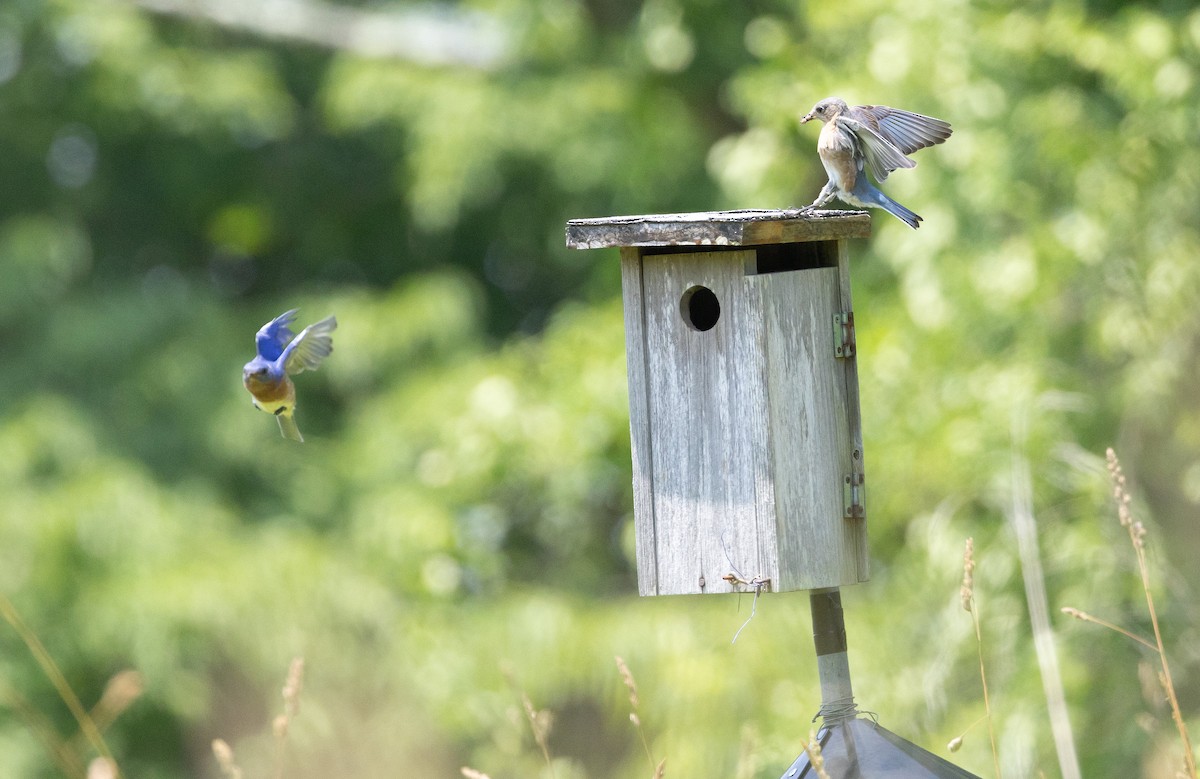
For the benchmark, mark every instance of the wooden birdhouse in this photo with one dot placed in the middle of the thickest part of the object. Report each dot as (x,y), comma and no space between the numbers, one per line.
(743,398)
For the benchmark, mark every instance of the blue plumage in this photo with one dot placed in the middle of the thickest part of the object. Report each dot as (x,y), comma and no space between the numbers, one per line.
(278,355)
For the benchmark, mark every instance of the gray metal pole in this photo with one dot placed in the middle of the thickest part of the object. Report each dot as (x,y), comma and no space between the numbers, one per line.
(833,663)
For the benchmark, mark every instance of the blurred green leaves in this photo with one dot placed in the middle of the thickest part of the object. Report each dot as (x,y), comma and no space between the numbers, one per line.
(464,497)
(43,257)
(190,90)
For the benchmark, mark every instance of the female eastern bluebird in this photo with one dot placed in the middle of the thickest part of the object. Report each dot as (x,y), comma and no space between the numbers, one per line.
(874,137)
(266,376)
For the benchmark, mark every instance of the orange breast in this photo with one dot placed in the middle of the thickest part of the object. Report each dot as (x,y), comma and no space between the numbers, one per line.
(272,393)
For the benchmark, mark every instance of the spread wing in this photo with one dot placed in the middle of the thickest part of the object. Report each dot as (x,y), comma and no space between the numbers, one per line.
(905,130)
(273,337)
(879,155)
(311,347)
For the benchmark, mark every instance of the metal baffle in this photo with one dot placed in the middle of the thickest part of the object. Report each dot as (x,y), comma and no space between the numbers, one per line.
(863,749)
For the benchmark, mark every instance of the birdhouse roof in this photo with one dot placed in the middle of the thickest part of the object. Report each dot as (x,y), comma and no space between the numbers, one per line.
(753,227)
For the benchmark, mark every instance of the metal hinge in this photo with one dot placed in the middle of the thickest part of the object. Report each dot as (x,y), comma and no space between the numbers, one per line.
(843,334)
(854,496)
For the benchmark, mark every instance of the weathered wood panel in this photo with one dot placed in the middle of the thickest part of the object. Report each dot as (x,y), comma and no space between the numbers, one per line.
(639,415)
(811,444)
(707,417)
(743,433)
(718,228)
(854,421)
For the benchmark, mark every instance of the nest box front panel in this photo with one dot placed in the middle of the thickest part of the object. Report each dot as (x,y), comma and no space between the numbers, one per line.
(706,412)
(740,419)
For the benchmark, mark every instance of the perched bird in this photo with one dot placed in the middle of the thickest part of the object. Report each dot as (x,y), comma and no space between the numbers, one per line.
(873,138)
(266,376)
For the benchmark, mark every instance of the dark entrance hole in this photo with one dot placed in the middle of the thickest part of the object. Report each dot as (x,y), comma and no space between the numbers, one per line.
(700,308)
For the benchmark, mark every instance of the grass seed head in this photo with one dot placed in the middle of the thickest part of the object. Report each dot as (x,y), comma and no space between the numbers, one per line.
(967,591)
(630,684)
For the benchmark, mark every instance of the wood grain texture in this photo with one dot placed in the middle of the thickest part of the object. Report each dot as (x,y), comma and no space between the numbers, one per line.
(742,434)
(811,444)
(639,414)
(857,465)
(717,228)
(707,414)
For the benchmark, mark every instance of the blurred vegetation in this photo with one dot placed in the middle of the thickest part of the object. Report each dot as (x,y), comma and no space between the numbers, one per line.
(462,509)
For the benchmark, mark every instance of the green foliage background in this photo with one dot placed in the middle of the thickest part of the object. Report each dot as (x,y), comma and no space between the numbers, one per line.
(459,524)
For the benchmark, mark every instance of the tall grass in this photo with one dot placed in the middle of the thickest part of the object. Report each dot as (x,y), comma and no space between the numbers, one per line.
(223,752)
(1137,539)
(1037,602)
(120,692)
(967,595)
(634,702)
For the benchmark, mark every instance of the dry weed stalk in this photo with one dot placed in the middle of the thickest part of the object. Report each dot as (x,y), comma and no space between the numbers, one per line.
(956,743)
(471,773)
(279,726)
(1137,539)
(967,595)
(631,685)
(224,755)
(540,722)
(1025,532)
(87,725)
(291,707)
(66,759)
(120,692)
(1083,616)
(812,748)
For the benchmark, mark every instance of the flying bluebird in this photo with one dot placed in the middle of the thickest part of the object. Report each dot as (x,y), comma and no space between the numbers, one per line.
(266,376)
(873,138)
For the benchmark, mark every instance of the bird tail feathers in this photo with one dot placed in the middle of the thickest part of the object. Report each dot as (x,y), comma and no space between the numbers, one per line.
(288,427)
(910,218)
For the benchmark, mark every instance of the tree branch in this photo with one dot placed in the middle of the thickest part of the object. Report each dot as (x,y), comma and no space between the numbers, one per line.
(427,35)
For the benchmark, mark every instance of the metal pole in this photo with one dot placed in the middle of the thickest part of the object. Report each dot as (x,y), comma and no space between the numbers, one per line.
(833,663)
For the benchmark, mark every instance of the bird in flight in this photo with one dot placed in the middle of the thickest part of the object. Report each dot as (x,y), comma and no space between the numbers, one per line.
(278,355)
(869,138)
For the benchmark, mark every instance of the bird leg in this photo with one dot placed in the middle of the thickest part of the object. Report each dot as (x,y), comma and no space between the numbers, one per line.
(827,193)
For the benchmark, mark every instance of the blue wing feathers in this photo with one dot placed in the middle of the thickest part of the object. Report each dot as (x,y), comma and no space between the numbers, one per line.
(273,337)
